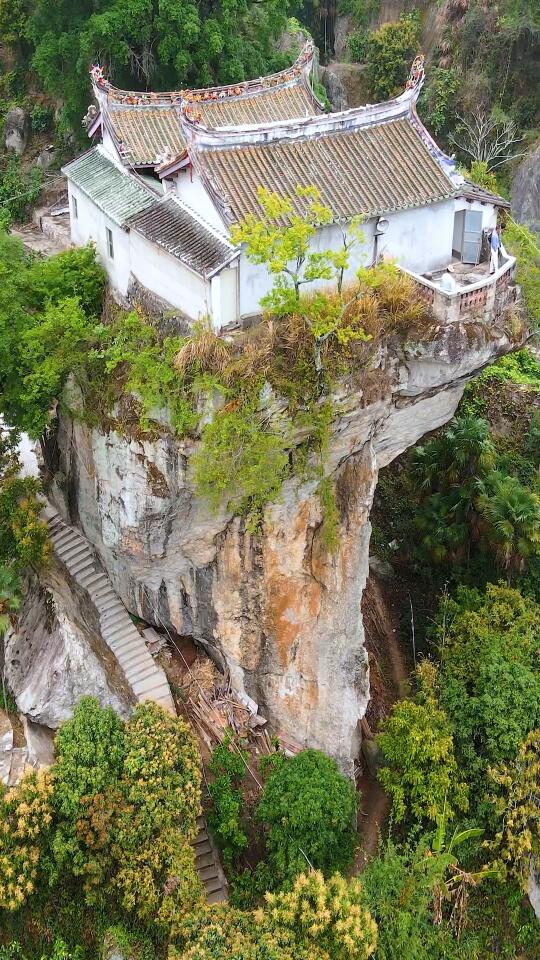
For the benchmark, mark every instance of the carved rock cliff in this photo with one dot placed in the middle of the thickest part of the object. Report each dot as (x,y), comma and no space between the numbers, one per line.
(276,608)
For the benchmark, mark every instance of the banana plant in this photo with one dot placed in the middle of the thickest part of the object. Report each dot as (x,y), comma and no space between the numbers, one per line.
(449,882)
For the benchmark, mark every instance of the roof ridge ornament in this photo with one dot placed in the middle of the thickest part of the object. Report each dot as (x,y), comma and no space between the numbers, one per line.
(299,70)
(417,74)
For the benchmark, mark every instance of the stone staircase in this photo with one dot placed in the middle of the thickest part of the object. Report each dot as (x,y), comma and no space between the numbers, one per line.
(145,678)
(208,866)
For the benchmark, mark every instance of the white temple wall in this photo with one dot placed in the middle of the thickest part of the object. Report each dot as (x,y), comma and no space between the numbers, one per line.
(170,279)
(489,212)
(190,189)
(90,225)
(419,239)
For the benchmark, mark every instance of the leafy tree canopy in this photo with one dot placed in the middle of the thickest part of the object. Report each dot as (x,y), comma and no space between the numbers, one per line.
(165,44)
(420,771)
(308,808)
(490,678)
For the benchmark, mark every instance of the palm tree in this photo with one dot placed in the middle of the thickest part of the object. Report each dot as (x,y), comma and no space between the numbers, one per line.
(511,512)
(462,452)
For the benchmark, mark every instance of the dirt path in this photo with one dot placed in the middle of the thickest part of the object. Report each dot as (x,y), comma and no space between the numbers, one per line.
(389,682)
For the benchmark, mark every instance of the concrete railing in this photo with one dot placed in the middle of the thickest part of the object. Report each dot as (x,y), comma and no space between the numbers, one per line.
(484,300)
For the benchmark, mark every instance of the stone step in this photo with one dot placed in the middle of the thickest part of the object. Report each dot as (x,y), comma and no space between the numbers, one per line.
(207,873)
(202,848)
(218,897)
(79,568)
(117,629)
(213,885)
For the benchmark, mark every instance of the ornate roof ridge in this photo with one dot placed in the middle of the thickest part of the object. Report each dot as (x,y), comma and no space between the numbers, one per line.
(110,96)
(204,137)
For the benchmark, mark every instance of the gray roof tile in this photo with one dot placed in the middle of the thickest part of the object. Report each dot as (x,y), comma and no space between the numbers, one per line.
(118,194)
(372,170)
(170,225)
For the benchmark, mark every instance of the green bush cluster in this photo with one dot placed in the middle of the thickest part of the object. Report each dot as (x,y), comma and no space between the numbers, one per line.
(228,766)
(110,824)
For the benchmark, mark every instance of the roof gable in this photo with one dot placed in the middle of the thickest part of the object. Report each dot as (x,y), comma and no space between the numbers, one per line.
(147,127)
(118,194)
(175,228)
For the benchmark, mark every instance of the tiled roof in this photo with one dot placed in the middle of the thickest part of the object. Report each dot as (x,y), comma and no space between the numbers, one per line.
(371,170)
(118,194)
(265,106)
(172,226)
(147,132)
(473,192)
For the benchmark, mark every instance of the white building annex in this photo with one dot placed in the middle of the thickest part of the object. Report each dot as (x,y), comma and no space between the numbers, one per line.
(174,171)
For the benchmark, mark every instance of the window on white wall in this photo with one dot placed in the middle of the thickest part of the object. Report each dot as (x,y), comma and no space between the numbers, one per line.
(75,207)
(110,243)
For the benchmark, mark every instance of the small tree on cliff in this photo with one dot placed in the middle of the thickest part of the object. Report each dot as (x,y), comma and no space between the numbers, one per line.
(308,809)
(281,239)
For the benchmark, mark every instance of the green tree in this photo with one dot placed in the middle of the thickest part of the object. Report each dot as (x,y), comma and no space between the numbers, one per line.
(512,514)
(281,239)
(420,772)
(489,645)
(390,52)
(317,919)
(167,44)
(517,804)
(307,808)
(228,766)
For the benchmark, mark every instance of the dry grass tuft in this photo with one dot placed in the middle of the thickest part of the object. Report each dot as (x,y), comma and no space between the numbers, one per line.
(205,349)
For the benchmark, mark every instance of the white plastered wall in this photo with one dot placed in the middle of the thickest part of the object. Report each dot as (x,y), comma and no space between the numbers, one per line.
(190,189)
(419,239)
(90,226)
(170,279)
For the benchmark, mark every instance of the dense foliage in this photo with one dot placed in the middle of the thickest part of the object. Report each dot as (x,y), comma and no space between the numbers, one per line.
(111,823)
(228,765)
(317,919)
(420,772)
(307,808)
(142,44)
(490,678)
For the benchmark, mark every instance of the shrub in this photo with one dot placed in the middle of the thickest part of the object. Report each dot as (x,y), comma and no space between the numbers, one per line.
(228,765)
(25,818)
(523,244)
(72,273)
(420,772)
(41,118)
(517,841)
(317,920)
(308,809)
(490,678)
(241,460)
(18,190)
(390,51)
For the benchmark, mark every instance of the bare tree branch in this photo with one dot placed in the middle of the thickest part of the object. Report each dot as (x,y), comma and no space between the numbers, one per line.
(487,139)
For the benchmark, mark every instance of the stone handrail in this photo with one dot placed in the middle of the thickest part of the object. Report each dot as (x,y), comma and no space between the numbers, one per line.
(476,299)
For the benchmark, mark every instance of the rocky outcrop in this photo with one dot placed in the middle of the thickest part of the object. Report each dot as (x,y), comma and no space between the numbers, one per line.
(16,130)
(56,656)
(533,888)
(277,608)
(526,191)
(335,91)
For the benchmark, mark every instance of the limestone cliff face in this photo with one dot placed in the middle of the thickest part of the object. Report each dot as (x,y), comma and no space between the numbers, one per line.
(280,611)
(56,655)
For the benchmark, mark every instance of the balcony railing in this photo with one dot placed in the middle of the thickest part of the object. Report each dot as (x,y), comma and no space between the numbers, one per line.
(485,299)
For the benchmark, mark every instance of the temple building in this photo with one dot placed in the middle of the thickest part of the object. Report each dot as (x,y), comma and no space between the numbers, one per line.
(174,171)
